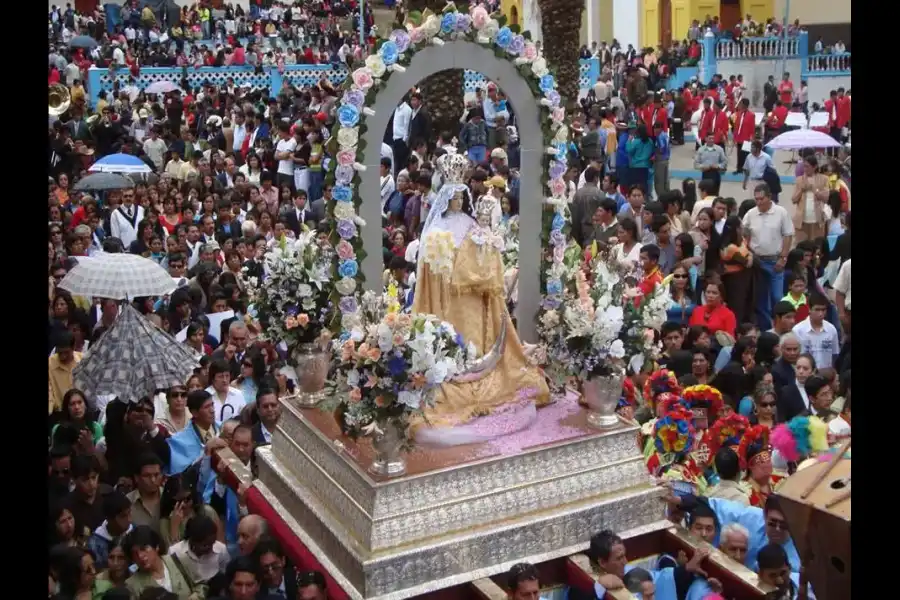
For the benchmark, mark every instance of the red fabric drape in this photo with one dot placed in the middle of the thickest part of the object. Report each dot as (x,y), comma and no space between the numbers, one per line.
(300,555)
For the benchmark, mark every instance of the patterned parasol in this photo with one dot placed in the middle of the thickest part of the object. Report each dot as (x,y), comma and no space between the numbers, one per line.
(134,358)
(117,276)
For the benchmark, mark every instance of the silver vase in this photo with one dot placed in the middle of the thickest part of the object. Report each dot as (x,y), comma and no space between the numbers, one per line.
(601,395)
(387,443)
(311,364)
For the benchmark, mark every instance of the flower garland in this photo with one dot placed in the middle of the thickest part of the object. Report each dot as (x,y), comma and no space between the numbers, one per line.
(360,89)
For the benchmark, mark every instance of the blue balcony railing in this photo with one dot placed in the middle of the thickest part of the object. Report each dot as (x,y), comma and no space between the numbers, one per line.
(756,48)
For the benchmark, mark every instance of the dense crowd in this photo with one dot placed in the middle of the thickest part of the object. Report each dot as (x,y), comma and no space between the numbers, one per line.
(760,305)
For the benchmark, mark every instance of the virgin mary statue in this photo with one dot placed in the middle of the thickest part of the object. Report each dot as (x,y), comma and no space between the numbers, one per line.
(460,280)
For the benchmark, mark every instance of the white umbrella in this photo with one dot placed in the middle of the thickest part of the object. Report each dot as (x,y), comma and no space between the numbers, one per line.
(802,138)
(161,87)
(117,276)
(120,163)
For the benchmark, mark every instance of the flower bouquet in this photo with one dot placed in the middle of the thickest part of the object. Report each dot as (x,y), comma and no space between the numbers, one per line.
(292,305)
(291,300)
(391,370)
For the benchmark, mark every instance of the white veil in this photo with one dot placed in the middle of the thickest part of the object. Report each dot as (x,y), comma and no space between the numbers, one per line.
(435,216)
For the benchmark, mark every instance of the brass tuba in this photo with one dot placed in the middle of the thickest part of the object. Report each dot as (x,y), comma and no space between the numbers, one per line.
(58,99)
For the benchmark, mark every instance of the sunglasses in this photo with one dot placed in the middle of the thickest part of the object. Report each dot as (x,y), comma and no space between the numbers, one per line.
(679,276)
(178,394)
(777,524)
(766,404)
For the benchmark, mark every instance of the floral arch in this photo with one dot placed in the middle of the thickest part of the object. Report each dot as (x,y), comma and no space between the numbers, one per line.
(432,43)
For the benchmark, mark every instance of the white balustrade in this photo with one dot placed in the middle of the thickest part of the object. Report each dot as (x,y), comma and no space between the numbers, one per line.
(757,47)
(829,63)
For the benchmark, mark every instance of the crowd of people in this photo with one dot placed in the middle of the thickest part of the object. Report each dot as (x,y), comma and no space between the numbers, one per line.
(760,297)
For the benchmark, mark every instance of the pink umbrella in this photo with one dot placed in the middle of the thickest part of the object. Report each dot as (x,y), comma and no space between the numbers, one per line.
(802,138)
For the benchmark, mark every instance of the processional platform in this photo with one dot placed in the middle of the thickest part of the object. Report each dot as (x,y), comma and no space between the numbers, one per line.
(458,514)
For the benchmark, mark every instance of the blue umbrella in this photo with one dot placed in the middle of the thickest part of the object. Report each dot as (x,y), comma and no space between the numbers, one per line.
(83,41)
(120,163)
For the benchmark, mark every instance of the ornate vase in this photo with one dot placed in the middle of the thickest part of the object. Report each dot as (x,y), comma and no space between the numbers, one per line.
(387,442)
(311,364)
(601,395)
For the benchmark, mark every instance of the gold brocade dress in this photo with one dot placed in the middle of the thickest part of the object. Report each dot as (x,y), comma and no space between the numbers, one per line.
(472,300)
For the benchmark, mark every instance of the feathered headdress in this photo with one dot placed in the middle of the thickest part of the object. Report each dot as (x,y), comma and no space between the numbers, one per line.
(674,434)
(704,401)
(660,382)
(800,437)
(728,431)
(755,448)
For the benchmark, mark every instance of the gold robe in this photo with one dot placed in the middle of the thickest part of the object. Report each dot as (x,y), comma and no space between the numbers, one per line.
(472,300)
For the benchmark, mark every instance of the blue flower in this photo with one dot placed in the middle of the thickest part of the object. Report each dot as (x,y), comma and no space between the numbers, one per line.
(459,340)
(448,22)
(561,150)
(504,37)
(342,193)
(389,52)
(396,366)
(348,268)
(348,115)
(547,83)
(558,222)
(554,286)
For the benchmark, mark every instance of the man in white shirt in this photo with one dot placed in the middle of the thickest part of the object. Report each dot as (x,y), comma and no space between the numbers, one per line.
(817,336)
(284,154)
(155,148)
(202,555)
(124,220)
(118,55)
(402,120)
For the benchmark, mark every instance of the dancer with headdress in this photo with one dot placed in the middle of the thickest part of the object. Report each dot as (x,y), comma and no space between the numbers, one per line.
(671,449)
(755,453)
(705,403)
(797,441)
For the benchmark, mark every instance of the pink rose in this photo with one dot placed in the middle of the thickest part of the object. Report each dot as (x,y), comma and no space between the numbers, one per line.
(559,253)
(530,51)
(557,187)
(480,17)
(558,114)
(346,158)
(345,250)
(416,35)
(363,79)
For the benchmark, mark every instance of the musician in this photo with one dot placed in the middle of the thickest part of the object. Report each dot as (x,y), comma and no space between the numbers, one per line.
(720,125)
(744,131)
(706,122)
(653,112)
(831,107)
(776,120)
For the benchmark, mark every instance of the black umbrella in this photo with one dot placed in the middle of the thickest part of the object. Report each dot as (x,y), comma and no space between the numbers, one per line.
(83,41)
(103,181)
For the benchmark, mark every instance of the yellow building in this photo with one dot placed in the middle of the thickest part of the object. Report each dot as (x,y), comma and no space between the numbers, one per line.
(671,19)
(512,10)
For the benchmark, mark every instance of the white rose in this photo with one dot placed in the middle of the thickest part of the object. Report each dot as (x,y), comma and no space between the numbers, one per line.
(343,210)
(490,30)
(345,286)
(348,137)
(617,349)
(376,65)
(539,67)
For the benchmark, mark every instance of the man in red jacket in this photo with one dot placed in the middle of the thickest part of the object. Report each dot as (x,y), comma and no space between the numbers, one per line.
(653,113)
(705,127)
(843,112)
(720,125)
(744,132)
(775,122)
